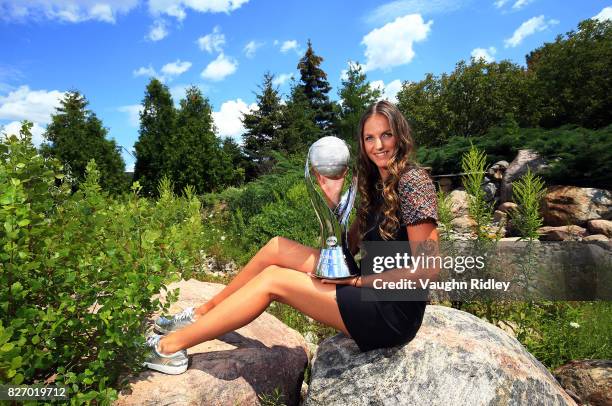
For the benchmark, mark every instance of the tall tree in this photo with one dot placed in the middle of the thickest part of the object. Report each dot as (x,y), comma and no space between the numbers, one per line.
(76,135)
(574,76)
(262,126)
(356,95)
(237,158)
(298,125)
(313,81)
(196,157)
(157,125)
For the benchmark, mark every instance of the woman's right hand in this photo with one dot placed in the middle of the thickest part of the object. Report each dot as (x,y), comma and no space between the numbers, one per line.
(331,187)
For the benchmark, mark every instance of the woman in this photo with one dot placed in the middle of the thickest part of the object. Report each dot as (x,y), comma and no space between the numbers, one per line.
(397,202)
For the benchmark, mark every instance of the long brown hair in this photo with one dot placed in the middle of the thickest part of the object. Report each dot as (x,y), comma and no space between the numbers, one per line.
(370,183)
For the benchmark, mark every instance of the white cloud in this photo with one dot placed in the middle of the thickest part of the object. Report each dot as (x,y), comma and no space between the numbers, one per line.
(133,111)
(157,31)
(212,42)
(500,3)
(178,8)
(388,91)
(282,78)
(74,11)
(484,53)
(604,14)
(26,104)
(529,27)
(391,45)
(14,126)
(519,4)
(251,48)
(145,71)
(220,68)
(176,68)
(390,11)
(228,119)
(289,45)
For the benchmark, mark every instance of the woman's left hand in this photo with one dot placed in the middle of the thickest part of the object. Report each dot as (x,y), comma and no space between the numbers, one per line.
(355,281)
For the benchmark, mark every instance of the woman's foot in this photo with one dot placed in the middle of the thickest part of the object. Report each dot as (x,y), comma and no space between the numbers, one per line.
(165,325)
(172,364)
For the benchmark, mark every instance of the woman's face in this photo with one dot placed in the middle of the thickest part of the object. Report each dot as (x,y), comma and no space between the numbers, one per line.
(379,142)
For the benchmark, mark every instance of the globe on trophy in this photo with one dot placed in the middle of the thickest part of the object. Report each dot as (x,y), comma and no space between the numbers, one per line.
(329,156)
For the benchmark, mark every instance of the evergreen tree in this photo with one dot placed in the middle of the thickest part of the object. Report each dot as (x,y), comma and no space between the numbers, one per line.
(262,127)
(355,95)
(157,124)
(298,124)
(196,157)
(313,81)
(238,160)
(76,135)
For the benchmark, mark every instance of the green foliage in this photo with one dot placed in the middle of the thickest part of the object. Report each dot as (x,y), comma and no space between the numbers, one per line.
(576,156)
(573,76)
(554,332)
(356,96)
(195,156)
(76,135)
(473,165)
(468,101)
(262,128)
(298,123)
(274,398)
(77,272)
(445,215)
(314,85)
(157,124)
(527,193)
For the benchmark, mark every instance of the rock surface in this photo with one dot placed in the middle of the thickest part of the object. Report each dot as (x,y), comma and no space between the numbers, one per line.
(235,369)
(565,205)
(600,227)
(589,380)
(459,202)
(565,233)
(456,359)
(525,159)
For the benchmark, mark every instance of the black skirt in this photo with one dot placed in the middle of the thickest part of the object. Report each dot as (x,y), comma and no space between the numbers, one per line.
(378,324)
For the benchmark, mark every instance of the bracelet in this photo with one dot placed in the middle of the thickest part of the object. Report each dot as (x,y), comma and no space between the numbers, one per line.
(355,281)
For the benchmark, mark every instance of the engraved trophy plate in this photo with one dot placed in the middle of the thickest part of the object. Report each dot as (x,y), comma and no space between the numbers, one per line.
(329,156)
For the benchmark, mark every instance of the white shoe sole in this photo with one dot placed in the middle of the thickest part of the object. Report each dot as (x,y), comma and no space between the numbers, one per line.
(167,369)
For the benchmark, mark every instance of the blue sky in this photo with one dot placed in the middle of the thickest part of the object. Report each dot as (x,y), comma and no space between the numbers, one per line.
(108,49)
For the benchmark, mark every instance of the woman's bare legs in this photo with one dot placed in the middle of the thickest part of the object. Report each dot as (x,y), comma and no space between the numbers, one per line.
(278,251)
(288,286)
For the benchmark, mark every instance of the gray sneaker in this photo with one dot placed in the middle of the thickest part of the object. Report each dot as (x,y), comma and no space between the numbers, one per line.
(165,325)
(172,364)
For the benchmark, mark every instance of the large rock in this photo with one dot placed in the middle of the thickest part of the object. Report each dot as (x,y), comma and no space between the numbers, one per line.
(600,227)
(455,359)
(253,360)
(565,205)
(565,233)
(525,159)
(589,380)
(459,202)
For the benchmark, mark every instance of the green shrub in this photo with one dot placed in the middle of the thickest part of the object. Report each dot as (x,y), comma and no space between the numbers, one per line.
(77,272)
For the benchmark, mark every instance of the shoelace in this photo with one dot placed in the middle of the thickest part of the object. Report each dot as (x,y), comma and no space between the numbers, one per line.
(153,340)
(185,314)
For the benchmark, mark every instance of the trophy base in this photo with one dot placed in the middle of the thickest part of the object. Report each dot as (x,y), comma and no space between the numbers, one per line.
(332,264)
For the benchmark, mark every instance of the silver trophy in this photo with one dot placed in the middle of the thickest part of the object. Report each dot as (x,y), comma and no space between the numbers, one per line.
(329,156)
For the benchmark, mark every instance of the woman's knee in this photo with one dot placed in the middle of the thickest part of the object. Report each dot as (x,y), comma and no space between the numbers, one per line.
(271,279)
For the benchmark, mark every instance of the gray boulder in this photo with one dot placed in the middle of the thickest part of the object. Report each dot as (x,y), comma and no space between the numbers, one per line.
(455,359)
(525,159)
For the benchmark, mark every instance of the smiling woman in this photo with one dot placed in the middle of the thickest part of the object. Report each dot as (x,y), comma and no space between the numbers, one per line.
(398,203)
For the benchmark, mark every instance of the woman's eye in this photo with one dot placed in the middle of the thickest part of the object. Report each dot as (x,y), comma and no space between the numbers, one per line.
(387,135)
(369,138)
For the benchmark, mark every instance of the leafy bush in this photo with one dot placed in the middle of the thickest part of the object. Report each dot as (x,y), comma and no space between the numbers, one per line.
(577,156)
(77,272)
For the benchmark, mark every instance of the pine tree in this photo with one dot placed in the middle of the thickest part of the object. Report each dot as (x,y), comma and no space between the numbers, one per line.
(76,135)
(298,126)
(262,126)
(313,81)
(157,125)
(356,95)
(196,157)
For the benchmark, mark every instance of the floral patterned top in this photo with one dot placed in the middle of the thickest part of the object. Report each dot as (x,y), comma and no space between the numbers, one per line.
(417,194)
